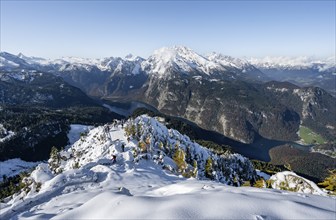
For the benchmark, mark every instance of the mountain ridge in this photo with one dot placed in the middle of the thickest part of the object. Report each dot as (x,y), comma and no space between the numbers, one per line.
(147,174)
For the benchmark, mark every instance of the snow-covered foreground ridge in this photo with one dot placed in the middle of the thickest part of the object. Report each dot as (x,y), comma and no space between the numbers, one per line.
(144,182)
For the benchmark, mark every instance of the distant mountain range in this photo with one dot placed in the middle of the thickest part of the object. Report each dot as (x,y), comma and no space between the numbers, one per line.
(302,71)
(220,93)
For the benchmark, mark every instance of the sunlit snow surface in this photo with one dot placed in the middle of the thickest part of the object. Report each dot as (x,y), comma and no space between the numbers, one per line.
(126,190)
(75,132)
(15,166)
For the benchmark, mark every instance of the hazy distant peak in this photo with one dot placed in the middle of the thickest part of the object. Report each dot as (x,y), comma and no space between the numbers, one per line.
(291,62)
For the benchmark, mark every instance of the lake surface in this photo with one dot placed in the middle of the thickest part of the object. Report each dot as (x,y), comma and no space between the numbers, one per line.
(126,109)
(258,150)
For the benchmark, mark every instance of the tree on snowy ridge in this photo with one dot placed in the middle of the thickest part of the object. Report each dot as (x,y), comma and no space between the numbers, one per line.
(55,160)
(209,168)
(179,158)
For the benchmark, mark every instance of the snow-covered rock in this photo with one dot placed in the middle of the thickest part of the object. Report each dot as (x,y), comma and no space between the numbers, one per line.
(5,134)
(291,181)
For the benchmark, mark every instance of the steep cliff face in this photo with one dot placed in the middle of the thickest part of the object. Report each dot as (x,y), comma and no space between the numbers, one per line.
(235,109)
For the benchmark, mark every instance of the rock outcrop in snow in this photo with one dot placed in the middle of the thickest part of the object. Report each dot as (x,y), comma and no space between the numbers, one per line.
(292,182)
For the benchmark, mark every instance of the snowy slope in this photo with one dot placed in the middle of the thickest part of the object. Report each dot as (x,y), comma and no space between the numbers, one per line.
(148,185)
(189,199)
(15,166)
(76,130)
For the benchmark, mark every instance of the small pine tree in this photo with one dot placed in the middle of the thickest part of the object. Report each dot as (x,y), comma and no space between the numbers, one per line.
(260,183)
(148,140)
(76,165)
(195,171)
(208,168)
(188,155)
(329,182)
(132,130)
(246,183)
(142,146)
(179,158)
(127,130)
(269,183)
(138,130)
(55,159)
(161,146)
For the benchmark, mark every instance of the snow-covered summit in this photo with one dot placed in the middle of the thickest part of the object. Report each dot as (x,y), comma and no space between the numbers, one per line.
(178,58)
(10,61)
(185,60)
(231,62)
(32,60)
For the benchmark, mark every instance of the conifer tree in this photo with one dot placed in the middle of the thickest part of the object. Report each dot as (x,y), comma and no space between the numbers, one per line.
(179,158)
(188,155)
(208,168)
(55,159)
(195,171)
(132,130)
(138,130)
(161,146)
(329,182)
(142,146)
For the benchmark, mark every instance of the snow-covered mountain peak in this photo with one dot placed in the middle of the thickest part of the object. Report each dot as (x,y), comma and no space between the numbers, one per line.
(31,60)
(11,61)
(131,57)
(229,61)
(176,54)
(178,58)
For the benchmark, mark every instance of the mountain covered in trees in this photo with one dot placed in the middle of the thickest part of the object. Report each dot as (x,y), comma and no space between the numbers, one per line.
(36,110)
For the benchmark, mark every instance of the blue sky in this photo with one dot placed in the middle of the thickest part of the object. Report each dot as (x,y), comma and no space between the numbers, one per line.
(115,28)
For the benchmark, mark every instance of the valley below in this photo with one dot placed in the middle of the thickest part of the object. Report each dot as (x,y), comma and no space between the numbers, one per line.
(259,149)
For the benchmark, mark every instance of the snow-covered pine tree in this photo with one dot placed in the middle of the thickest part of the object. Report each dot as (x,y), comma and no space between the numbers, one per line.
(208,168)
(179,158)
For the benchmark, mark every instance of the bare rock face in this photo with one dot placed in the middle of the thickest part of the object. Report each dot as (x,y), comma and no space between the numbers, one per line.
(236,109)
